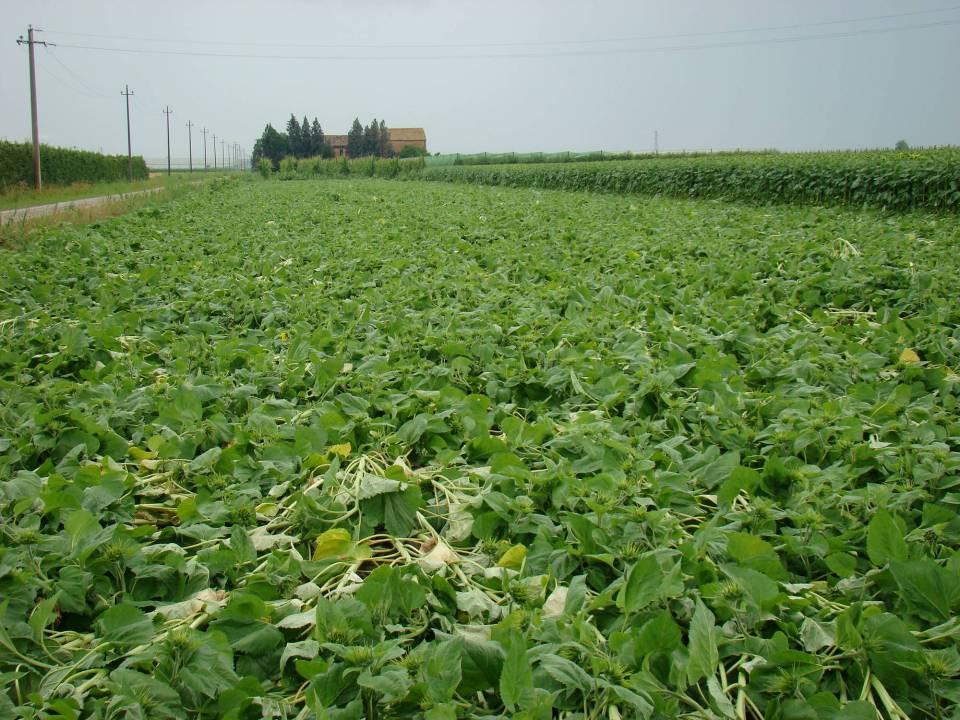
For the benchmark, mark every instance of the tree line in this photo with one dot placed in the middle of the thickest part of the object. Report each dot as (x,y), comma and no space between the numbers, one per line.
(374,139)
(306,139)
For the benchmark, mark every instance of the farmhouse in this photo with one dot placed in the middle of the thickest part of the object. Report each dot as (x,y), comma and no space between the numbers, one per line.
(399,137)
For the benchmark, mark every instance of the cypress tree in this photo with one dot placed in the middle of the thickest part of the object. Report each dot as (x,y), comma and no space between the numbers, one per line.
(369,141)
(384,150)
(307,148)
(355,139)
(294,137)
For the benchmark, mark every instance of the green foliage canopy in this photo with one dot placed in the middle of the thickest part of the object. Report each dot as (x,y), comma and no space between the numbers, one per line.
(62,166)
(363,449)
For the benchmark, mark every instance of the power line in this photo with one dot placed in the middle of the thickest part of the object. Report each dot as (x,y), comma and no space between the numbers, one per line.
(537,43)
(566,53)
(63,82)
(80,81)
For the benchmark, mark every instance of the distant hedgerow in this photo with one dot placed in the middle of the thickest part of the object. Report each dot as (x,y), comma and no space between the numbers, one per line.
(61,166)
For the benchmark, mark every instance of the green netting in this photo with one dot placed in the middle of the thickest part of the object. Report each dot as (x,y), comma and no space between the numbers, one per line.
(569,156)
(509,158)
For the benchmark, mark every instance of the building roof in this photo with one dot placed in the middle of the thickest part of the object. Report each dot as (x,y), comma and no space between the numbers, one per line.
(407,134)
(397,135)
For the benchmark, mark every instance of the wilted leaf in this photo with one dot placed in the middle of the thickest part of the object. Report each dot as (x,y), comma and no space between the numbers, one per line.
(513,558)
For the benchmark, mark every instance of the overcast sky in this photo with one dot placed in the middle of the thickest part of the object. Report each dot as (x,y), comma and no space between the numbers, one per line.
(492,75)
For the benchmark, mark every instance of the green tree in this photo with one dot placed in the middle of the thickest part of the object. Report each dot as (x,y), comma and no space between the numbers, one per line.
(307,148)
(355,139)
(902,145)
(409,151)
(371,138)
(273,145)
(294,137)
(384,149)
(316,138)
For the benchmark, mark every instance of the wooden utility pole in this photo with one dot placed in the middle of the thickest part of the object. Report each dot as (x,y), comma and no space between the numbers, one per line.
(35,125)
(205,131)
(214,151)
(167,113)
(126,92)
(223,154)
(190,141)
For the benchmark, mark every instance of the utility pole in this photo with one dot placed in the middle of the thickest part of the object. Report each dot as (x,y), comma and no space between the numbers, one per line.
(214,152)
(223,154)
(190,140)
(167,113)
(205,148)
(35,125)
(656,142)
(126,92)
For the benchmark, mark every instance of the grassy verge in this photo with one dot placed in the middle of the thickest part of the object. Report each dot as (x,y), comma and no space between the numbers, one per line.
(19,197)
(18,232)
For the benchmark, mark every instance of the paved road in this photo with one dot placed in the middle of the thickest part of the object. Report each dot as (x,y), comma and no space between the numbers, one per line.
(26,213)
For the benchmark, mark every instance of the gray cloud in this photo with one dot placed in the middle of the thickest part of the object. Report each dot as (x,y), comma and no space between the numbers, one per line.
(522,93)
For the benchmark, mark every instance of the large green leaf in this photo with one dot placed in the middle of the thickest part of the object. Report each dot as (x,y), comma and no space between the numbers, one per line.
(931,590)
(702,647)
(442,672)
(516,678)
(885,541)
(643,585)
(125,625)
